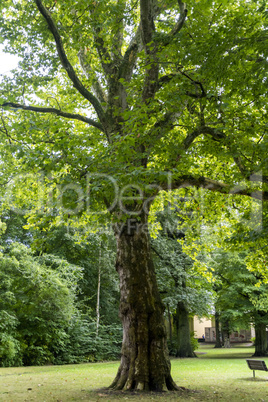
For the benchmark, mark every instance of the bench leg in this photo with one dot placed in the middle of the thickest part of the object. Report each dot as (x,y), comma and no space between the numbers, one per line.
(253,373)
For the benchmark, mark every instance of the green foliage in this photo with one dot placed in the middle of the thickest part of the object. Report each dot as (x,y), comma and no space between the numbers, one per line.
(194,341)
(253,340)
(14,231)
(79,258)
(240,293)
(211,74)
(178,279)
(39,320)
(9,346)
(84,344)
(37,304)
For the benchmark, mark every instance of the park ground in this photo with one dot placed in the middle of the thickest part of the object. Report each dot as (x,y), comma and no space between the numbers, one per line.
(216,375)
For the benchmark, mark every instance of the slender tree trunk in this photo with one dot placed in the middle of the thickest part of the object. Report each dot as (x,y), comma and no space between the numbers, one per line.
(184,347)
(98,295)
(144,362)
(260,339)
(261,345)
(218,343)
(169,324)
(226,334)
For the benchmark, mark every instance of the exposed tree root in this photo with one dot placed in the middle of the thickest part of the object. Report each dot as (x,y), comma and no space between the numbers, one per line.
(122,382)
(179,392)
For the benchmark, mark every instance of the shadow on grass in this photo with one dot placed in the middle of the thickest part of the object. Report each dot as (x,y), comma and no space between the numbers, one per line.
(252,379)
(15,374)
(226,357)
(242,351)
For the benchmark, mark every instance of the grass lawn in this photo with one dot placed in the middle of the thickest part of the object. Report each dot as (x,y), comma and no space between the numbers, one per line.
(216,375)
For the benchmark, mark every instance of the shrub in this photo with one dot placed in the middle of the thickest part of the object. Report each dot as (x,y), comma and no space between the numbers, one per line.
(83,344)
(35,304)
(39,320)
(194,341)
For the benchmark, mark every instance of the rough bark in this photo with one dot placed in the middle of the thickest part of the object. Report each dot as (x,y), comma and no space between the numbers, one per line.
(184,347)
(226,334)
(144,362)
(260,339)
(218,343)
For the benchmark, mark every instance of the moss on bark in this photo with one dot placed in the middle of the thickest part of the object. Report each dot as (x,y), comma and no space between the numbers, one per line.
(144,362)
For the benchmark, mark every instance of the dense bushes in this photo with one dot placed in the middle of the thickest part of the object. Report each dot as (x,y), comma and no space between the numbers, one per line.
(39,319)
(85,344)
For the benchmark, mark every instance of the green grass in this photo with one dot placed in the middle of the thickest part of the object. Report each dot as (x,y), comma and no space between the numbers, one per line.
(217,375)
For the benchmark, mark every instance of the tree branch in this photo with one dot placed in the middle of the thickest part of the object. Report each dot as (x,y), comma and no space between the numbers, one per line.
(104,54)
(118,37)
(66,64)
(147,22)
(4,129)
(96,86)
(130,56)
(165,79)
(167,121)
(58,112)
(203,92)
(159,127)
(150,46)
(179,24)
(213,185)
(215,134)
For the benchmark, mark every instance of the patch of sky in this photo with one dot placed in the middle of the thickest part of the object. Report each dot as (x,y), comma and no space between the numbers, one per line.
(7,61)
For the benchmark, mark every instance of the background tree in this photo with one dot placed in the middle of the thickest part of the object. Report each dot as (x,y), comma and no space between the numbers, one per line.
(227,226)
(131,91)
(91,253)
(185,291)
(241,299)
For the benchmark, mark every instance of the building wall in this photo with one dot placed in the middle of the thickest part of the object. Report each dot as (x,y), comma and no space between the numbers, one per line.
(235,337)
(200,325)
(207,328)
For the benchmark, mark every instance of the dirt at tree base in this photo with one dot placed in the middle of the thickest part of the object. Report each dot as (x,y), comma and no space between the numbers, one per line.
(165,395)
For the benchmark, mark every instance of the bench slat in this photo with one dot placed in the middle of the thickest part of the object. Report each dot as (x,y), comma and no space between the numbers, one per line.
(257,365)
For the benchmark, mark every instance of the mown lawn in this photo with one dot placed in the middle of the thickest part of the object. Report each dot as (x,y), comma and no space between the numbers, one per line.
(216,375)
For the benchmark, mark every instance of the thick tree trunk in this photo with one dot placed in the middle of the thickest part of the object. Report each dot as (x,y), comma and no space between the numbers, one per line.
(144,362)
(218,343)
(260,339)
(184,347)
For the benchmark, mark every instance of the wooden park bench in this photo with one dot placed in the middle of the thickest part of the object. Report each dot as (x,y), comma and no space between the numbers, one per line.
(256,365)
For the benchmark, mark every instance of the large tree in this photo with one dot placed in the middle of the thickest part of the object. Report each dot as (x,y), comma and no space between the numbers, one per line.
(131,98)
